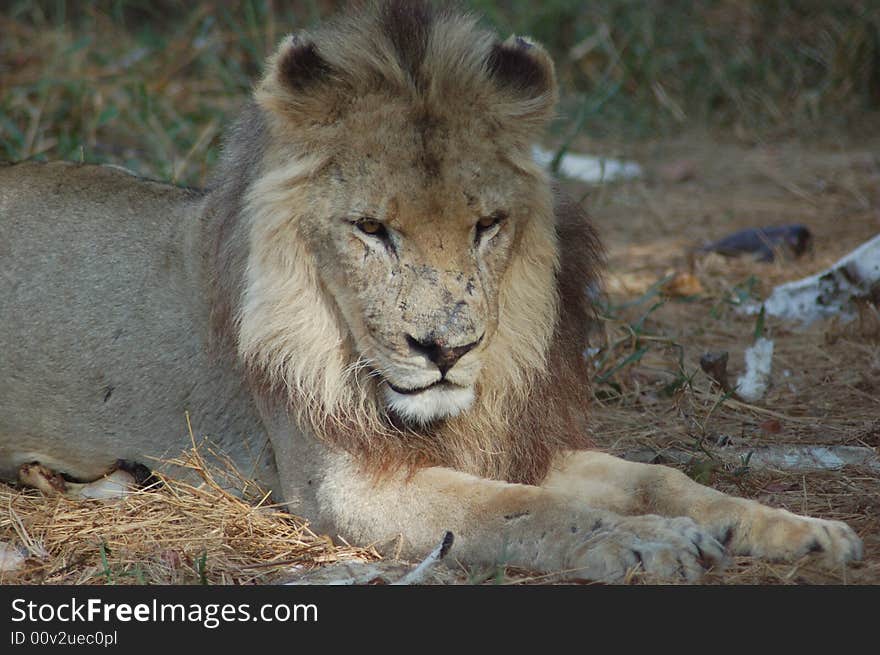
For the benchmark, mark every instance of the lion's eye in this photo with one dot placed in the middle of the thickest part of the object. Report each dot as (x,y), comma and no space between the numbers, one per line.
(486,223)
(372,227)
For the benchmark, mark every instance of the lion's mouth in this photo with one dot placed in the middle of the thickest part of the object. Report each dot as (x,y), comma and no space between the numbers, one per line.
(440,384)
(424,405)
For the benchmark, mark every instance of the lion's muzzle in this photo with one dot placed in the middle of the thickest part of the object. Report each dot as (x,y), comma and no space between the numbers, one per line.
(441,355)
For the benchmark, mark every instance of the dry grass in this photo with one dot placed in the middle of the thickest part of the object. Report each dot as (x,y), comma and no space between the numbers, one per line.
(171,533)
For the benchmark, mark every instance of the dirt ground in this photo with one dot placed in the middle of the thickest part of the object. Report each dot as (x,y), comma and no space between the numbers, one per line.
(652,397)
(826,379)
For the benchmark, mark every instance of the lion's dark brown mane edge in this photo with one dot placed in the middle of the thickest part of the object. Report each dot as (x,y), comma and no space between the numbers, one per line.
(224,231)
(555,417)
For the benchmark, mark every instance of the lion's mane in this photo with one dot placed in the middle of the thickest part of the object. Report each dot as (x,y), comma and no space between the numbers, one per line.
(268,300)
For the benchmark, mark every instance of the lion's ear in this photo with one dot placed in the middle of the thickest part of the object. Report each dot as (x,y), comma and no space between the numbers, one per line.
(300,65)
(523,71)
(296,80)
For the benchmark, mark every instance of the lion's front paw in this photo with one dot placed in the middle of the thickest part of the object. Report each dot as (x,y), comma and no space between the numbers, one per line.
(673,549)
(786,536)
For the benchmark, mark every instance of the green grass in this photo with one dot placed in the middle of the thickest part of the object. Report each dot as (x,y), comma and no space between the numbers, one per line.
(758,63)
(151,84)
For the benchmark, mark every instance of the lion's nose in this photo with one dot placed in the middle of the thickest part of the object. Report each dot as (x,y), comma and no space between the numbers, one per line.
(443,356)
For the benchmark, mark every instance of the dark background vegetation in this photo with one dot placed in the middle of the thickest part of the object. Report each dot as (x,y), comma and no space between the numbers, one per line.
(149,84)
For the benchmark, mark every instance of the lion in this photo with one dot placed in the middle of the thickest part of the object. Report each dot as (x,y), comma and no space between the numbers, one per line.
(377,309)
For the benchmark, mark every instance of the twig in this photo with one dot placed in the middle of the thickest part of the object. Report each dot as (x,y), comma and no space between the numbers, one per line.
(418,574)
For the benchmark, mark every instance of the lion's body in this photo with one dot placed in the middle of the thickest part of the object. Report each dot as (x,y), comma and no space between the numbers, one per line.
(100,366)
(377,309)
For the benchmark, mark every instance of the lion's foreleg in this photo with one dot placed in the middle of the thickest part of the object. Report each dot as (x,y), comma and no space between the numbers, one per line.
(745,526)
(495,522)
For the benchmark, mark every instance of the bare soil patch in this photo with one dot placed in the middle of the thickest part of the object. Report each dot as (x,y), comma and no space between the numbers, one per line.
(825,384)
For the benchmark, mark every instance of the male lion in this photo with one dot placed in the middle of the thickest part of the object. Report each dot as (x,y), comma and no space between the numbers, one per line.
(377,309)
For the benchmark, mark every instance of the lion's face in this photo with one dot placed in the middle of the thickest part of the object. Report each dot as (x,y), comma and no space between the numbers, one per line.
(417,225)
(402,241)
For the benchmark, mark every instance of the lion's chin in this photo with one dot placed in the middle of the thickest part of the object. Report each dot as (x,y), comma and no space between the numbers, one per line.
(435,403)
